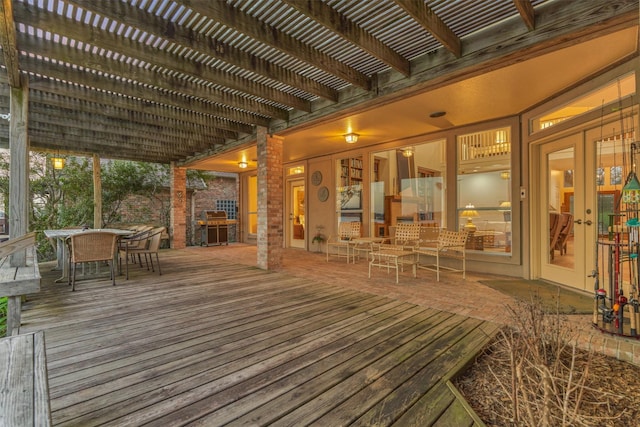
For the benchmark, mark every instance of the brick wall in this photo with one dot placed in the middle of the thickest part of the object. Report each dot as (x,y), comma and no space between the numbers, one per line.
(140,209)
(270,200)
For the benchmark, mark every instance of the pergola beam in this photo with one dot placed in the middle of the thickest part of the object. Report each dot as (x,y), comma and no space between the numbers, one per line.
(525,9)
(204,44)
(433,24)
(348,30)
(234,18)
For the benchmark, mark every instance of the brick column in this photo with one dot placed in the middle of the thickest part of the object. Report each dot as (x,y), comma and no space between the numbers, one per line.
(178,226)
(270,200)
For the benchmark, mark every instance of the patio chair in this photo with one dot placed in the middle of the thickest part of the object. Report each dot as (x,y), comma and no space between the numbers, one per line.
(148,245)
(555,225)
(451,244)
(138,239)
(406,236)
(347,232)
(91,246)
(566,227)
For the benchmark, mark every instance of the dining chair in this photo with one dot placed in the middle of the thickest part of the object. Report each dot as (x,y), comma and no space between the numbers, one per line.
(91,246)
(148,245)
(136,240)
(347,232)
(566,228)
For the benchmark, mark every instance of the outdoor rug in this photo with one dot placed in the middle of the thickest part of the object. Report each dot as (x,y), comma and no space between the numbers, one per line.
(568,301)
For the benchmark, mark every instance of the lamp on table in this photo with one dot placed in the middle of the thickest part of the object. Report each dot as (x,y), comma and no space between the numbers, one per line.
(469,212)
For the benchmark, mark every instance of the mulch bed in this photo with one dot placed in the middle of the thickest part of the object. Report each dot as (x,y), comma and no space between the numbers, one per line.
(611,395)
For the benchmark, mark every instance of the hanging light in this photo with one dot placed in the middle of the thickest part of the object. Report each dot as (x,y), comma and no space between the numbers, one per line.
(351,138)
(407,152)
(58,162)
(631,189)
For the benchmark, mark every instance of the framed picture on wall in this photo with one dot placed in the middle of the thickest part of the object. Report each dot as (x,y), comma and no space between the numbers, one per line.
(351,198)
(568,178)
(615,177)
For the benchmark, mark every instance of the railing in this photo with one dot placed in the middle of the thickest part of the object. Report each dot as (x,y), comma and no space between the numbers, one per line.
(483,145)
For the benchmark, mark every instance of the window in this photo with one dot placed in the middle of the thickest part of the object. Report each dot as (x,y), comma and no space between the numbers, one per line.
(349,190)
(407,185)
(622,87)
(484,189)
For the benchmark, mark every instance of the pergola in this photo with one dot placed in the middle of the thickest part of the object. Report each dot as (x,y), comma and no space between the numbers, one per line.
(176,81)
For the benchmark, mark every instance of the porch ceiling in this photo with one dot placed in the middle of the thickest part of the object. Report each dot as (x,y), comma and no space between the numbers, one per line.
(188,81)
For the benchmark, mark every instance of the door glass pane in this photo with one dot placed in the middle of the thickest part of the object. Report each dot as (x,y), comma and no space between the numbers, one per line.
(298,211)
(252,205)
(560,201)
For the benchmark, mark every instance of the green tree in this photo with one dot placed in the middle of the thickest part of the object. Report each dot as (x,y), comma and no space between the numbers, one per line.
(64,198)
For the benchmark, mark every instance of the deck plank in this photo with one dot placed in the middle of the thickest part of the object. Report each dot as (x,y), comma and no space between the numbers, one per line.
(211,343)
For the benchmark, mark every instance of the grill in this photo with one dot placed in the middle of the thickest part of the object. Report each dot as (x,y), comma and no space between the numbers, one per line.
(214,228)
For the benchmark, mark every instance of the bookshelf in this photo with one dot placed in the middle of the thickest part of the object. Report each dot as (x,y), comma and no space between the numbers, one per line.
(351,171)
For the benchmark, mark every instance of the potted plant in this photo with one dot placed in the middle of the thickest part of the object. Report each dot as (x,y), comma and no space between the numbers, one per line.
(318,238)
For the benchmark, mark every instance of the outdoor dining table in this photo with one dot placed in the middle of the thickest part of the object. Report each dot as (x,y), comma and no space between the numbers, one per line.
(62,252)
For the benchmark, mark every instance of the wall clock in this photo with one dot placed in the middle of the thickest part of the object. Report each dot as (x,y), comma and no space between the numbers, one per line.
(316,178)
(323,194)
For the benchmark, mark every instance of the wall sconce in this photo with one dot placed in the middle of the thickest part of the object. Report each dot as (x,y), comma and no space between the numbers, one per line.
(242,165)
(407,152)
(58,162)
(351,138)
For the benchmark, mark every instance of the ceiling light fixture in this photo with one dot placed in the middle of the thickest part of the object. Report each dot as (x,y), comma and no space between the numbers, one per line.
(407,152)
(351,138)
(242,165)
(437,114)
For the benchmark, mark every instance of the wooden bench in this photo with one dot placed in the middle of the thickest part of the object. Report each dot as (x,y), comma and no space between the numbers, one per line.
(24,388)
(19,275)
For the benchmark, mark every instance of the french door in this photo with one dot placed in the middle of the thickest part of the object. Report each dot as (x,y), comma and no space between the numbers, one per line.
(582,179)
(566,214)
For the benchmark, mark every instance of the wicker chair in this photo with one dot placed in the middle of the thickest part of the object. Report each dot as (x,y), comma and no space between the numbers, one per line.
(451,244)
(347,231)
(137,240)
(91,246)
(148,245)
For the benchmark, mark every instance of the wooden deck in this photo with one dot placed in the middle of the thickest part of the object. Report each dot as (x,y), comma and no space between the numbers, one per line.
(212,343)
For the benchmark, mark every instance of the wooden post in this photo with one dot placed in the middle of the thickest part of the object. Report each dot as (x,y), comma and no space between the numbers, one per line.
(178,229)
(19,167)
(97,192)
